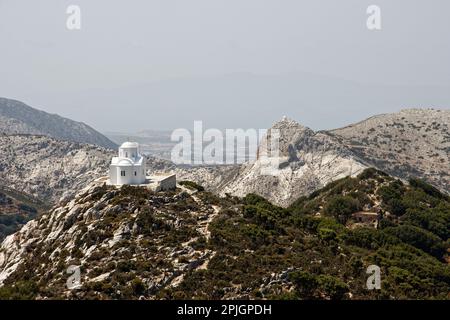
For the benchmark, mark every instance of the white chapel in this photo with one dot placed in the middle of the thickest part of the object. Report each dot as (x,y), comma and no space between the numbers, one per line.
(128,167)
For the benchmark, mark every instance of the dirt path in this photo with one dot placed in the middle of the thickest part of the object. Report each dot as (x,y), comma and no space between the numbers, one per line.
(202,228)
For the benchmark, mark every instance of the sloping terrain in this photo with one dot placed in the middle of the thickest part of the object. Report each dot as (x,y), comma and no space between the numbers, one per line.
(131,243)
(113,232)
(18,118)
(413,142)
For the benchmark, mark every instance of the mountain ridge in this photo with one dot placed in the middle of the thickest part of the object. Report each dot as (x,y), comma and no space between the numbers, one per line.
(412,142)
(18,118)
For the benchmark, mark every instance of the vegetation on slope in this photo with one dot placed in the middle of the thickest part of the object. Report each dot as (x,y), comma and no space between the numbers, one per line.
(316,249)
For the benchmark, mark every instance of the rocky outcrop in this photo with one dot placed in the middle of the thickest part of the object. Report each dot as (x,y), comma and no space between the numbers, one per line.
(305,162)
(109,232)
(18,118)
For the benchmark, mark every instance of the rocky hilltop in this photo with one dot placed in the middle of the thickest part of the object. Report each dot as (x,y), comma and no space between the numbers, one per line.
(410,143)
(131,243)
(112,232)
(306,161)
(18,118)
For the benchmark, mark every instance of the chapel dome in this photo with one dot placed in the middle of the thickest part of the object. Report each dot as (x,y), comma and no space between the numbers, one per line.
(127,145)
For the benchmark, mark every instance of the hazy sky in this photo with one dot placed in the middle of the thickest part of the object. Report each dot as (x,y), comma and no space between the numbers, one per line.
(161,64)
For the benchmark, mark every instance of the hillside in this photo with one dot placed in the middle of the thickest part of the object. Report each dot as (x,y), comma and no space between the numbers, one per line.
(47,168)
(18,118)
(131,243)
(413,142)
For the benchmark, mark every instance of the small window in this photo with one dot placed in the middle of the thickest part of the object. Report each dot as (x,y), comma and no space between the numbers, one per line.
(126,154)
(122,173)
(135,173)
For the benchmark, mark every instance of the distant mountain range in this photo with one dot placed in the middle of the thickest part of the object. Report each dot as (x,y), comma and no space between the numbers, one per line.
(19,118)
(247,100)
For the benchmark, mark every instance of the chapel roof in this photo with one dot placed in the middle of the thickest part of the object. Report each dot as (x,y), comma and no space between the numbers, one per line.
(129,144)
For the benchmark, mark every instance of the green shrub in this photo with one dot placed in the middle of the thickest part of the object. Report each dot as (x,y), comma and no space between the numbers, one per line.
(305,283)
(327,234)
(341,207)
(333,287)
(419,238)
(307,222)
(427,188)
(138,287)
(368,238)
(21,290)
(192,185)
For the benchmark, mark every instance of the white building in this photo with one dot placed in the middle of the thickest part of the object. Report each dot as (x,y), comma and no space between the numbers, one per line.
(128,167)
